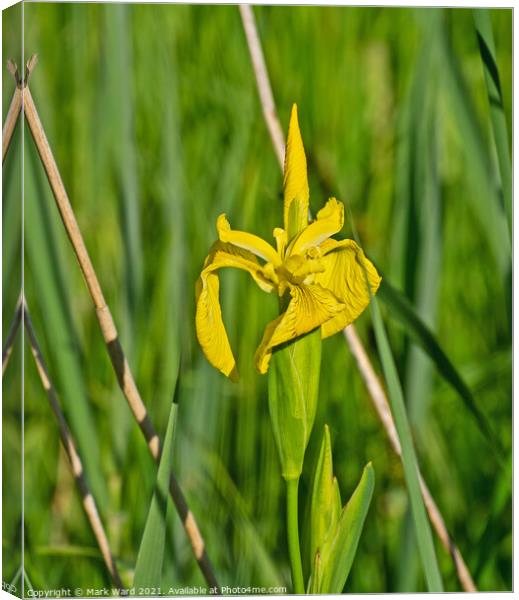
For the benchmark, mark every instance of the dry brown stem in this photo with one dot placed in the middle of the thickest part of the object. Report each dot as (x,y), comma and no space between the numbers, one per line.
(11,336)
(10,121)
(88,500)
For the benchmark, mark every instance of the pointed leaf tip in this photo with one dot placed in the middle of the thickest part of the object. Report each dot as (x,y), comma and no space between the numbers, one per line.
(326,502)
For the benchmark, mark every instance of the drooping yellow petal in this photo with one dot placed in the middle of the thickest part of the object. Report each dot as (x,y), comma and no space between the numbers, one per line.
(210,329)
(295,184)
(246,241)
(309,307)
(329,221)
(347,273)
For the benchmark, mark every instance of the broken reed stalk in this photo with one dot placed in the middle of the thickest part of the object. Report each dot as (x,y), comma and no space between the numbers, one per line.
(11,336)
(366,369)
(10,121)
(89,503)
(109,331)
(14,110)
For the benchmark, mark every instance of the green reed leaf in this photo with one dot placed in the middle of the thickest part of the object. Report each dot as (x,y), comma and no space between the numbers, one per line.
(400,308)
(487,50)
(332,563)
(148,569)
(409,459)
(326,498)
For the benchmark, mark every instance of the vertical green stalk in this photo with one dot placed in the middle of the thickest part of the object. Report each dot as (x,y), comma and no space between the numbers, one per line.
(409,459)
(294,549)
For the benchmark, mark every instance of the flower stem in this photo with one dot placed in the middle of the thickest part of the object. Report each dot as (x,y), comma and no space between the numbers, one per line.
(293,536)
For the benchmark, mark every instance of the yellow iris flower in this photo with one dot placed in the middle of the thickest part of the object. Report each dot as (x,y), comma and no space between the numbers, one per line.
(322,280)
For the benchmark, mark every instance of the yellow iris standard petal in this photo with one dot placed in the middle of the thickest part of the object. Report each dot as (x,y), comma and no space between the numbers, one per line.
(210,329)
(329,221)
(309,307)
(295,184)
(347,273)
(246,241)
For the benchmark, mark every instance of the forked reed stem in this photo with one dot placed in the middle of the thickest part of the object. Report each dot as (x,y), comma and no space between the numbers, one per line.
(375,389)
(69,445)
(88,500)
(11,336)
(10,121)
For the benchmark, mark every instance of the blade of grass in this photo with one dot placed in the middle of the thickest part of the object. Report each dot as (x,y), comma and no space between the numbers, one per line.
(121,126)
(121,163)
(420,252)
(409,460)
(148,568)
(487,50)
(500,500)
(400,308)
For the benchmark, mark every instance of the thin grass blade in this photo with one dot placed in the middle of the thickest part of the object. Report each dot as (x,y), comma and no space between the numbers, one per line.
(148,569)
(401,309)
(409,459)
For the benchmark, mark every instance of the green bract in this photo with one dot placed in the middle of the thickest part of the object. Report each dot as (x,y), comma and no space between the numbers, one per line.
(335,533)
(293,386)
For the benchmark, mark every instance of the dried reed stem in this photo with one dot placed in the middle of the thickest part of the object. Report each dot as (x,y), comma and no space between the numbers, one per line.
(262,78)
(16,101)
(109,331)
(11,336)
(10,121)
(89,503)
(367,372)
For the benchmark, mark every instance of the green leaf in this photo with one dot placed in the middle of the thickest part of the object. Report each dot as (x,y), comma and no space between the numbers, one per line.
(339,551)
(148,569)
(495,98)
(409,460)
(326,498)
(400,308)
(293,384)
(316,577)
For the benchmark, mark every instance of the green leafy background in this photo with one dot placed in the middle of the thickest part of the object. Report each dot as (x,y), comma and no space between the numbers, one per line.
(154,119)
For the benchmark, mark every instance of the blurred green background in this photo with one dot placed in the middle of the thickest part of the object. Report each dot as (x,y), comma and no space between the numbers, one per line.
(154,119)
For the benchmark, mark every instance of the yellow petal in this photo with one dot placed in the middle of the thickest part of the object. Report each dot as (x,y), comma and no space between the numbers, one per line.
(281,238)
(295,184)
(246,241)
(310,307)
(347,272)
(329,221)
(210,329)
